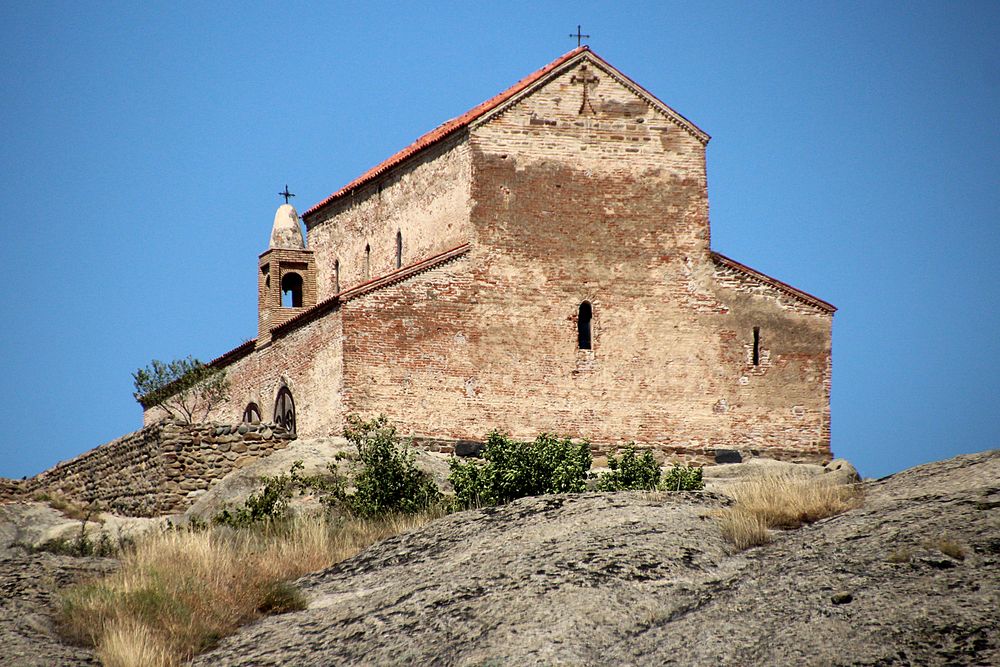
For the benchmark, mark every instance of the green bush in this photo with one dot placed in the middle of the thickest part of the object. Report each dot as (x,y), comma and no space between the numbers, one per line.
(630,472)
(388,482)
(268,505)
(516,469)
(385,479)
(682,478)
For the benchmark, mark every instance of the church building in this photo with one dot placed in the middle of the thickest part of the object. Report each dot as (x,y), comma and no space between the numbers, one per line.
(540,263)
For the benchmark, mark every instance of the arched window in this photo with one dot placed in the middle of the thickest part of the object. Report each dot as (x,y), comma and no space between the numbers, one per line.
(368,261)
(336,276)
(284,409)
(399,249)
(291,290)
(583,324)
(251,414)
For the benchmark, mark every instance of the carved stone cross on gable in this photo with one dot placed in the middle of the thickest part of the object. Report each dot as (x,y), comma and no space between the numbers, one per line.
(587,81)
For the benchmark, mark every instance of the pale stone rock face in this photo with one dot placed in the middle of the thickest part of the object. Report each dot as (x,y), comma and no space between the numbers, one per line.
(286,233)
(647,579)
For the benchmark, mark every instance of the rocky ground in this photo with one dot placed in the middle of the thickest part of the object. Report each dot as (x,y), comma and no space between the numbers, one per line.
(625,579)
(28,585)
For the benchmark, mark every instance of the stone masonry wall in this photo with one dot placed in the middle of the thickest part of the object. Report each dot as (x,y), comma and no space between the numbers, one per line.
(160,469)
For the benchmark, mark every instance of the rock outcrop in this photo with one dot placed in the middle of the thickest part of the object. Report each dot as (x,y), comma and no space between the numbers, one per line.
(913,577)
(28,591)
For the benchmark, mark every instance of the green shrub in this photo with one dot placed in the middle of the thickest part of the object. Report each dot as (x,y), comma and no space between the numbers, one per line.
(630,472)
(388,482)
(516,469)
(682,478)
(268,505)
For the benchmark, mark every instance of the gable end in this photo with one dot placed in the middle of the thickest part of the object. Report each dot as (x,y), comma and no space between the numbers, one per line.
(592,58)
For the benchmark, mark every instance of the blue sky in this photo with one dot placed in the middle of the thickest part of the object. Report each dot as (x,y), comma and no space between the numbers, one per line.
(854,155)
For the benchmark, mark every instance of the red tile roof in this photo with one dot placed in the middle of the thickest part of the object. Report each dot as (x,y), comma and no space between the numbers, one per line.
(448,128)
(391,278)
(346,295)
(773,282)
(238,352)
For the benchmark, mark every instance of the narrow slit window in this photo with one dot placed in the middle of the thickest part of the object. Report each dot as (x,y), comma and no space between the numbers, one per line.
(756,346)
(583,325)
(368,261)
(336,276)
(399,249)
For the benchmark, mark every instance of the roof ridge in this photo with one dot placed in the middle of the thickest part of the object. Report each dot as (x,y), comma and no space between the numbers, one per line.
(241,350)
(449,127)
(390,278)
(385,280)
(774,282)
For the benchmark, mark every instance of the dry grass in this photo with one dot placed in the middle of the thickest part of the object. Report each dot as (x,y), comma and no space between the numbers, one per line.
(947,546)
(125,644)
(69,508)
(179,592)
(900,556)
(782,501)
(743,529)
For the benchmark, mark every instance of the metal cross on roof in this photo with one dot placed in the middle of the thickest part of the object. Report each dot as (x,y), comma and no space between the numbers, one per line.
(579,36)
(286,194)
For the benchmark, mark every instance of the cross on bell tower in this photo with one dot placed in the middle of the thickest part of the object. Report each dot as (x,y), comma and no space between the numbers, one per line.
(286,194)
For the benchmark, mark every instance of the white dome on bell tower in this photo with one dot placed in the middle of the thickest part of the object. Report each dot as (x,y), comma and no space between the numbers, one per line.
(286,232)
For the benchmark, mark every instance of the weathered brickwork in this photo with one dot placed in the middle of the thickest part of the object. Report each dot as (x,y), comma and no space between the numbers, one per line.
(427,204)
(274,265)
(157,470)
(574,186)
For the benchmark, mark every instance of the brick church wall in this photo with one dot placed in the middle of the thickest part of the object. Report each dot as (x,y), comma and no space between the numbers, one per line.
(427,202)
(157,470)
(408,354)
(611,209)
(307,359)
(608,207)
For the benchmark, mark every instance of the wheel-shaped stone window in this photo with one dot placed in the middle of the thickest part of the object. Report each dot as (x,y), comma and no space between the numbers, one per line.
(284,409)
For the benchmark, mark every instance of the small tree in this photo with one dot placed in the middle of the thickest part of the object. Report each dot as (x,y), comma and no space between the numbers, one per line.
(184,388)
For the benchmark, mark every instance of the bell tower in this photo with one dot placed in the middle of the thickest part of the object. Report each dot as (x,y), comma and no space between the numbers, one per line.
(286,283)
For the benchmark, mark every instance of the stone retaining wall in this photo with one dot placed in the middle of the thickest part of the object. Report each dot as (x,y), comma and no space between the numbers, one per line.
(10,489)
(160,469)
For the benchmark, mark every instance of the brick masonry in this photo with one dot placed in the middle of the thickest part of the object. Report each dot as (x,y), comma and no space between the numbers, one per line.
(561,199)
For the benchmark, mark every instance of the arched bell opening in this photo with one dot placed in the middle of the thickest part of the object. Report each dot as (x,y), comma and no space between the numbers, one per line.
(291,290)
